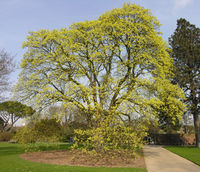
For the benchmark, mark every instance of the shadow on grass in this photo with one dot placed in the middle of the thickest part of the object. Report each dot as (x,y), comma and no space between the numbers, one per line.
(47,147)
(11,150)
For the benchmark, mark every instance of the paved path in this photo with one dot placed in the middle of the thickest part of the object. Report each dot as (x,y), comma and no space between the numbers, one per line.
(158,159)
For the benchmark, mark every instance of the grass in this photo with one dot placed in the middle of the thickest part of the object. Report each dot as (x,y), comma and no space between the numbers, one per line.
(190,153)
(10,162)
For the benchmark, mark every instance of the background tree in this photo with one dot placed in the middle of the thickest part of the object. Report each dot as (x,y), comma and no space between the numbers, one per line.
(185,44)
(6,67)
(103,67)
(11,111)
(65,114)
(70,118)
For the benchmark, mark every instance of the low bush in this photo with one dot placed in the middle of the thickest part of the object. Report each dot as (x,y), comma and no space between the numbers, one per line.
(26,135)
(69,128)
(6,136)
(45,130)
(111,137)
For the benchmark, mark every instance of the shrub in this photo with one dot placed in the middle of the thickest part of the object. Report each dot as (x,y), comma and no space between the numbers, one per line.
(45,130)
(26,135)
(69,128)
(111,136)
(6,136)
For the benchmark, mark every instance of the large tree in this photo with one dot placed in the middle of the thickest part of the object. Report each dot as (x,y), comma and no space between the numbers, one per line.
(6,67)
(185,44)
(11,112)
(113,69)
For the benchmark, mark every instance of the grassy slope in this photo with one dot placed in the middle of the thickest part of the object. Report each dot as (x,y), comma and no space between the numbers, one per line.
(10,162)
(190,153)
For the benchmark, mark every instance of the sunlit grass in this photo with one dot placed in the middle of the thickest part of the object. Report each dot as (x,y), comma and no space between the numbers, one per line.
(190,153)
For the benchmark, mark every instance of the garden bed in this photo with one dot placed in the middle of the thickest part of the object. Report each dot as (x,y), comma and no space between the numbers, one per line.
(67,157)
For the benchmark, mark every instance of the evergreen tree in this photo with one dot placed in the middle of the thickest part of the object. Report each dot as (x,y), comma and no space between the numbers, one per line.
(185,44)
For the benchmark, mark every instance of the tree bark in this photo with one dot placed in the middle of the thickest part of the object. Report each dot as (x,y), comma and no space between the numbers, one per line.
(197,128)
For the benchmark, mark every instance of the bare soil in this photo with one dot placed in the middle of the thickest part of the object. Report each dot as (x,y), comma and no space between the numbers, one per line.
(71,158)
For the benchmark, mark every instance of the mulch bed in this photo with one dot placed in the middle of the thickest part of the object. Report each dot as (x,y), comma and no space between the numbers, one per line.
(74,158)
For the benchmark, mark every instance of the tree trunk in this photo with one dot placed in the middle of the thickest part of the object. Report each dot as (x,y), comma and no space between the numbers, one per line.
(197,128)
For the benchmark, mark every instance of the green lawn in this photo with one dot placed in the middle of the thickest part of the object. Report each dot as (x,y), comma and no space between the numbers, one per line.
(10,162)
(190,153)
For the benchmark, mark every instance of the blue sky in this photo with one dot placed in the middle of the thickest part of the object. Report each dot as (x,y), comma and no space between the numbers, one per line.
(18,17)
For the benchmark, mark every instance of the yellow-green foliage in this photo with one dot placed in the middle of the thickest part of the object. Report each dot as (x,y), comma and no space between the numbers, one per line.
(6,136)
(111,134)
(113,69)
(25,135)
(45,130)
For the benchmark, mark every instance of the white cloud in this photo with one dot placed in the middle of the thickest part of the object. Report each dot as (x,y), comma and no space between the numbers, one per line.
(180,4)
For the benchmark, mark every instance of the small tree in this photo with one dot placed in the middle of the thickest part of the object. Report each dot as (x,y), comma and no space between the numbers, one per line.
(11,111)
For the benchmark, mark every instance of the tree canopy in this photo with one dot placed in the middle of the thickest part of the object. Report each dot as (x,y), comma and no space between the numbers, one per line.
(11,111)
(114,68)
(185,44)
